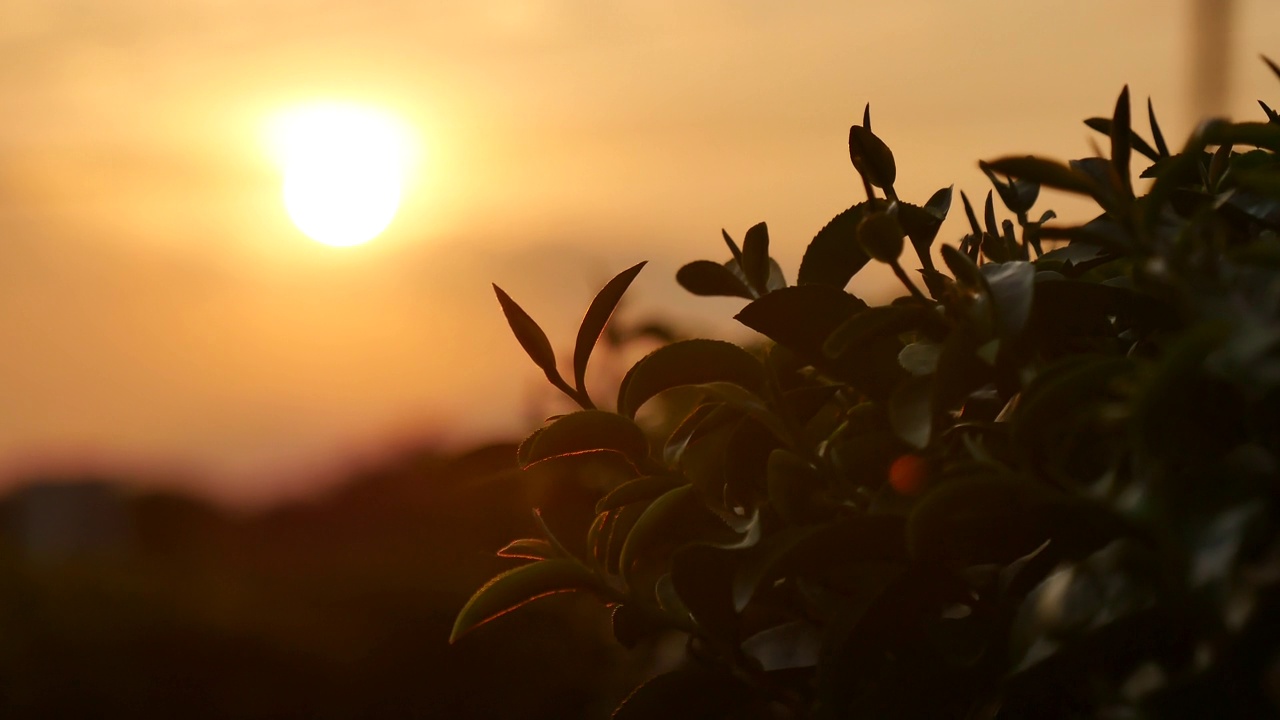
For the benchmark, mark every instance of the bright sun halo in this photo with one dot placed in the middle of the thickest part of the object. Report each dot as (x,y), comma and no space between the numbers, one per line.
(344,169)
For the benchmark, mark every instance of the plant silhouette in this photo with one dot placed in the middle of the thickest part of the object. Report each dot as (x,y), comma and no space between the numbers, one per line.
(1040,484)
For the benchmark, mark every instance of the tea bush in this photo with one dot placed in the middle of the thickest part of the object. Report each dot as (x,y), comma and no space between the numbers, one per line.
(1041,484)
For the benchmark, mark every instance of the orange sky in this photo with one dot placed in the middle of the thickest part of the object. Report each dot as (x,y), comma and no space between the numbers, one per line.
(157,308)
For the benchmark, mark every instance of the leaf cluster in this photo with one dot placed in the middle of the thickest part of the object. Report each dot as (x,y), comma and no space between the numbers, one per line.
(1041,483)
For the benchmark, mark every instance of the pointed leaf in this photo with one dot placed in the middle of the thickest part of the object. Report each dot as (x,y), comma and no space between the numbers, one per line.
(1275,69)
(706,278)
(834,255)
(989,215)
(597,316)
(1258,134)
(518,586)
(1103,125)
(1122,143)
(970,214)
(922,223)
(734,250)
(588,431)
(1272,115)
(1046,172)
(871,157)
(964,270)
(527,549)
(689,362)
(755,257)
(531,337)
(1156,135)
(674,519)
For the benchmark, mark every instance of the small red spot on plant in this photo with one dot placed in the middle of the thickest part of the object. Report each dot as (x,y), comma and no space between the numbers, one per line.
(908,474)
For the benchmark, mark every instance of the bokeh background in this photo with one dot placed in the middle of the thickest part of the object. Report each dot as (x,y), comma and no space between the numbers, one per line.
(224,441)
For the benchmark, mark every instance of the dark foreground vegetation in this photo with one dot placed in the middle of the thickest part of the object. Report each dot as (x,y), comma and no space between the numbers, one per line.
(120,605)
(1041,484)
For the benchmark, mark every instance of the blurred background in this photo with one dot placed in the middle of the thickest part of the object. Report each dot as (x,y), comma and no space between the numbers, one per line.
(240,466)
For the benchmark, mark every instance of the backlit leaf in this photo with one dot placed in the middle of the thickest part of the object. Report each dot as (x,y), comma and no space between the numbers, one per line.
(597,317)
(531,337)
(587,431)
(527,549)
(518,586)
(689,362)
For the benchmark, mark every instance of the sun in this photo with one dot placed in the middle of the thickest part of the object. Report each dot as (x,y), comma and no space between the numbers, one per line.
(343,170)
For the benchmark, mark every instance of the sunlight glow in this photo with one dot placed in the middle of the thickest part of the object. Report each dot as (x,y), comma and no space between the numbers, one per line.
(344,169)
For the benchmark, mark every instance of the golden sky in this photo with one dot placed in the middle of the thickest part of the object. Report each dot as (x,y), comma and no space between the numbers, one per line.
(157,308)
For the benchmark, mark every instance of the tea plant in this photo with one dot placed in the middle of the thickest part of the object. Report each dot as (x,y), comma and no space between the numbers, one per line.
(1041,484)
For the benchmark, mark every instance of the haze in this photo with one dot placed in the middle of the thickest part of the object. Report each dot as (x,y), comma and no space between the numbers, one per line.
(159,312)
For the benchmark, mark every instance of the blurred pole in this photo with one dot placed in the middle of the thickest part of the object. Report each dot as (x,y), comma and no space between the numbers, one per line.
(1211,22)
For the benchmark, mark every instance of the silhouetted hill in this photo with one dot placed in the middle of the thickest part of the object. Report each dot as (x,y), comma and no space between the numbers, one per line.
(119,604)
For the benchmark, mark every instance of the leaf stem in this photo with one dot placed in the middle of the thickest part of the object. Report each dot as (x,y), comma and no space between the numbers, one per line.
(906,280)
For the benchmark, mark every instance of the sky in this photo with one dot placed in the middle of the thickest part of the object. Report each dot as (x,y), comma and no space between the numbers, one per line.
(160,315)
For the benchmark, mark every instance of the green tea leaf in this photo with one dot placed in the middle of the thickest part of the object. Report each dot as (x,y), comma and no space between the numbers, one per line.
(871,157)
(706,278)
(588,431)
(527,549)
(531,337)
(834,255)
(1104,125)
(1156,135)
(597,316)
(675,519)
(922,223)
(800,318)
(1046,172)
(689,362)
(518,586)
(755,257)
(964,270)
(1122,144)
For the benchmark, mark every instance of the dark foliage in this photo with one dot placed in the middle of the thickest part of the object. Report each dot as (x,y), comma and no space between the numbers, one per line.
(1041,484)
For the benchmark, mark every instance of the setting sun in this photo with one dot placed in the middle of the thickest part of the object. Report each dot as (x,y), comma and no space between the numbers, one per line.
(343,169)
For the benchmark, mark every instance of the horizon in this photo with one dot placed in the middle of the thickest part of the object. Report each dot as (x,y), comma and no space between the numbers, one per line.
(162,314)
